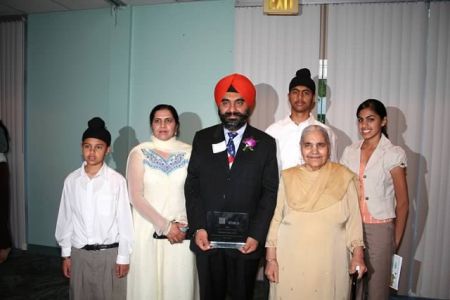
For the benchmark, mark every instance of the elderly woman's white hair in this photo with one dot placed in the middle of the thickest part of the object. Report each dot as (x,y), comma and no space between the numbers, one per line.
(319,128)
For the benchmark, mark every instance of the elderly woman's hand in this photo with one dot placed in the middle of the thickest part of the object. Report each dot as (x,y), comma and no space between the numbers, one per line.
(271,270)
(358,260)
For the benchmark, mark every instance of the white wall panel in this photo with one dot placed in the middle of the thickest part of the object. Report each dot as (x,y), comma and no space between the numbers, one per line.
(12,81)
(398,53)
(433,252)
(269,50)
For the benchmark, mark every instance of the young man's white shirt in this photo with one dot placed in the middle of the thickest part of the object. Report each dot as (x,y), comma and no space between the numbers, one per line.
(95,211)
(288,134)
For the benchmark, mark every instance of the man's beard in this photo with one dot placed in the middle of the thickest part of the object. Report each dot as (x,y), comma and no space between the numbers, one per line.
(236,122)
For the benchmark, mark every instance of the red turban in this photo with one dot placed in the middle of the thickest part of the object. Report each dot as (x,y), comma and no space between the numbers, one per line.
(241,84)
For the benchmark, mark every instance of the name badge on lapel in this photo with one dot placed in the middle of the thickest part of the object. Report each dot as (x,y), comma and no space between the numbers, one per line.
(219,147)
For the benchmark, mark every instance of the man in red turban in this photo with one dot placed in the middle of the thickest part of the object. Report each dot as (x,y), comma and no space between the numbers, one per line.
(240,84)
(230,192)
(242,89)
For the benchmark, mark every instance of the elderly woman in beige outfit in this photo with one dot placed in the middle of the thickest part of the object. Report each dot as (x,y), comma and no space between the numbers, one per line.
(315,238)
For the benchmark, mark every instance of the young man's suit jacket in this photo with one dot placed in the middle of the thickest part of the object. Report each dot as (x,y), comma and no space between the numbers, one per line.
(250,186)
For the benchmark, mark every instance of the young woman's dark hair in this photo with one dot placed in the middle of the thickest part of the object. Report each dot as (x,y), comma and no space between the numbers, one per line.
(376,106)
(170,108)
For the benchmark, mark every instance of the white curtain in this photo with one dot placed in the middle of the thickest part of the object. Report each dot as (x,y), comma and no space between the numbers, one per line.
(379,51)
(12,82)
(270,49)
(397,53)
(433,255)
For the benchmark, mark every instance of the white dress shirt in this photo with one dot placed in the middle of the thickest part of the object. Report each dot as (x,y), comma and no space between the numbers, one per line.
(288,134)
(237,139)
(95,211)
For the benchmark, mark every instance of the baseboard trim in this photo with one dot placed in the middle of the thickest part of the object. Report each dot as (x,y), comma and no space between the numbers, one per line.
(44,250)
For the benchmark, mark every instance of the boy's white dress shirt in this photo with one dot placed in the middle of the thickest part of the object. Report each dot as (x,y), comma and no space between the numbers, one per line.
(95,211)
(288,134)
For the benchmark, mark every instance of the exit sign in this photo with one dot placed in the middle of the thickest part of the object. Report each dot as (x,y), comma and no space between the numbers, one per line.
(281,7)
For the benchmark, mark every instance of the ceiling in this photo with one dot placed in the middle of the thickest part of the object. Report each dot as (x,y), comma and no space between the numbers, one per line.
(24,7)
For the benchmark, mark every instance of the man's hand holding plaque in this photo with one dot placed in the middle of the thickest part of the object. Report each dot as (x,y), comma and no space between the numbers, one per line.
(201,239)
(250,245)
(229,230)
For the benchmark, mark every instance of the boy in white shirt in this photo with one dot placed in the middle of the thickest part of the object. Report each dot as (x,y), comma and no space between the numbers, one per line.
(94,227)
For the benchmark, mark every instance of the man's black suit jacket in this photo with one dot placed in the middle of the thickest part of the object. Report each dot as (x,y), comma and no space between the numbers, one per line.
(250,186)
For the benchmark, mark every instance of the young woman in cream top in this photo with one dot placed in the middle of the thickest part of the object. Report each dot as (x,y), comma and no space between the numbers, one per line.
(383,201)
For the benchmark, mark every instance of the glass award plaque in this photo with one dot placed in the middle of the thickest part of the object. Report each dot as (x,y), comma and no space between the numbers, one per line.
(227,229)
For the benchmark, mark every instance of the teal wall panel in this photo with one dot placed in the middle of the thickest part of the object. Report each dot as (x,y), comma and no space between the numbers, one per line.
(87,63)
(71,61)
(178,54)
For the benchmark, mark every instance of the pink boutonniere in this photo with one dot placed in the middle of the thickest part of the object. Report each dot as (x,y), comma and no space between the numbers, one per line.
(250,144)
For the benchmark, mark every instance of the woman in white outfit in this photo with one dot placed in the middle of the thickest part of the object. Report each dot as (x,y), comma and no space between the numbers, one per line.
(163,267)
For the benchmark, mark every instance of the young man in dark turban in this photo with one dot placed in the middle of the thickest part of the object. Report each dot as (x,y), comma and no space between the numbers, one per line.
(288,131)
(230,188)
